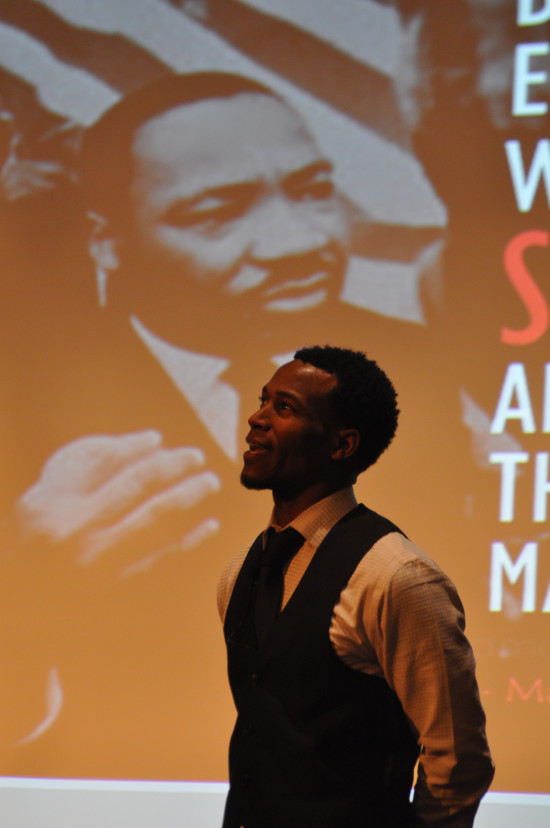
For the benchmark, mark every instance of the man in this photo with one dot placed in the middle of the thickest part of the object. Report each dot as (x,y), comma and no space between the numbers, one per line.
(366,668)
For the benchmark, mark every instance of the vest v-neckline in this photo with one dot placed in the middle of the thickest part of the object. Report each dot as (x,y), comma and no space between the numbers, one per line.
(315,563)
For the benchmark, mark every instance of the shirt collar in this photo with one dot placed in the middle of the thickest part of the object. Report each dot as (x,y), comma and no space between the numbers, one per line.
(316,522)
(197,377)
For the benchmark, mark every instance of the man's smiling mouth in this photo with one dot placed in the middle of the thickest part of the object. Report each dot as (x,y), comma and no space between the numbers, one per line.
(256,447)
(298,294)
(297,285)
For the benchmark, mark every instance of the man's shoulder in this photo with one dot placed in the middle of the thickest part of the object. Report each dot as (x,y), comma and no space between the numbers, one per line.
(395,561)
(396,579)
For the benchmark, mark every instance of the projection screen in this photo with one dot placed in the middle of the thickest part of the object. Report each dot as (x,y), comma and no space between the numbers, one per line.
(155,271)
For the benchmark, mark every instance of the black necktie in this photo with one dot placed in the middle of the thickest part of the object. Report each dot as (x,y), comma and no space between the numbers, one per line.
(279,549)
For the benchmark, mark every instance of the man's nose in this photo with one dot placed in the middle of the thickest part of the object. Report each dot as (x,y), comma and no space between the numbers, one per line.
(259,419)
(286,228)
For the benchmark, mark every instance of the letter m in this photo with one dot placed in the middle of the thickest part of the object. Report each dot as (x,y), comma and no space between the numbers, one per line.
(502,564)
(515,686)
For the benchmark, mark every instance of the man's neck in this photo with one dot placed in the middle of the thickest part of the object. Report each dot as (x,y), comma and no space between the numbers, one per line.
(286,509)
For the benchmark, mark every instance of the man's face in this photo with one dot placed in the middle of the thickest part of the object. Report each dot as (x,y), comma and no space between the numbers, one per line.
(234,195)
(292,435)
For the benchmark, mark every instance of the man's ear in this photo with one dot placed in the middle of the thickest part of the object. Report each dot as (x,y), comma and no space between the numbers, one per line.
(347,443)
(102,247)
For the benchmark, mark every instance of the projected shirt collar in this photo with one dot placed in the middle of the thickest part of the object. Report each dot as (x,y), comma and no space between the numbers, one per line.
(197,377)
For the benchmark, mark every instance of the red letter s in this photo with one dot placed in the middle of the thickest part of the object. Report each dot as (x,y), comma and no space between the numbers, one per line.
(526,287)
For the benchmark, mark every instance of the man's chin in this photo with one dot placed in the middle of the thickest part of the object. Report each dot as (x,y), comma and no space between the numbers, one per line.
(253,483)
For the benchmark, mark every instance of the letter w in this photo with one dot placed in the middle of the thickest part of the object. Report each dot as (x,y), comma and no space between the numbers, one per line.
(525,185)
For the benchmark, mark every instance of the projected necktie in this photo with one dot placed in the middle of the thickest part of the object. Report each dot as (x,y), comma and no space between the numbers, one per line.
(280,548)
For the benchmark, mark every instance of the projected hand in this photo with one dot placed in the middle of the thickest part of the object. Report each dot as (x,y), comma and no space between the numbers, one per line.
(126,494)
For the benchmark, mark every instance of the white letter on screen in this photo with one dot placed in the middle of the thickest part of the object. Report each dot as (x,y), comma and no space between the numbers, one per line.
(524,78)
(515,382)
(525,186)
(501,563)
(509,461)
(542,487)
(527,16)
(546,404)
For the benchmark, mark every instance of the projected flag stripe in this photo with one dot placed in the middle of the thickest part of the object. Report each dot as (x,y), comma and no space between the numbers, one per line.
(365,30)
(79,56)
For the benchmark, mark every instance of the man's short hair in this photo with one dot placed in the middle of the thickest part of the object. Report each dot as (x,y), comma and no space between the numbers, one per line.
(364,398)
(106,162)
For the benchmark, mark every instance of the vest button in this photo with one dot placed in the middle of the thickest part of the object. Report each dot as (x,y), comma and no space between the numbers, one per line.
(254,679)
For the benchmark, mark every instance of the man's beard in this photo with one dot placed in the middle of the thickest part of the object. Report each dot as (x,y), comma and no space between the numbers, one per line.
(251,484)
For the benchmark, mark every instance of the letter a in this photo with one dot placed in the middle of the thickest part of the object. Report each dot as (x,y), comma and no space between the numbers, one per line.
(515,382)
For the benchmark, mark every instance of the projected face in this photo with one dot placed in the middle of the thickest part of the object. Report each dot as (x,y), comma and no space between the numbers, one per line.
(234,195)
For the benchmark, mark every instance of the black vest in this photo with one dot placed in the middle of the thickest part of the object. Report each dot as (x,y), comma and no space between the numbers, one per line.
(316,744)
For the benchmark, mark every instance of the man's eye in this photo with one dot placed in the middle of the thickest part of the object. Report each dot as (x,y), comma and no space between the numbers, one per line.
(199,215)
(209,213)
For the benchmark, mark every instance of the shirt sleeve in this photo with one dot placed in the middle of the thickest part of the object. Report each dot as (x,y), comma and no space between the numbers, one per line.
(400,617)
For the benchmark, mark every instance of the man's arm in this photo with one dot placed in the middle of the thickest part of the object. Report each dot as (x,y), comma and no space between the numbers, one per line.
(401,618)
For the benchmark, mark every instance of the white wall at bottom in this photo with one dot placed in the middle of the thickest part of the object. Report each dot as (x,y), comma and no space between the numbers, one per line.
(53,803)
